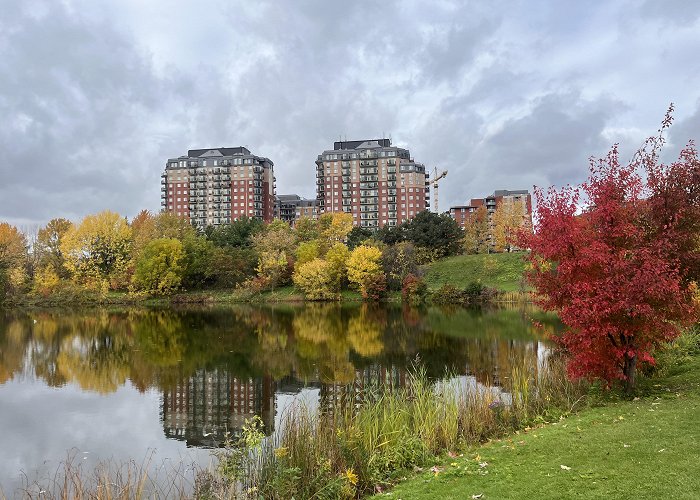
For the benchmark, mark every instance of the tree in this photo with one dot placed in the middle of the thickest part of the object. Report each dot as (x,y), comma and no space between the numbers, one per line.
(364,269)
(439,233)
(337,257)
(398,261)
(307,251)
(476,231)
(608,271)
(334,227)
(272,266)
(390,235)
(160,266)
(198,267)
(508,218)
(47,249)
(306,229)
(97,251)
(357,236)
(315,280)
(13,257)
(238,234)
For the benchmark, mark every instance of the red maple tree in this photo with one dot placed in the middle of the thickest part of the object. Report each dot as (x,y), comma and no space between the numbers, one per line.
(616,257)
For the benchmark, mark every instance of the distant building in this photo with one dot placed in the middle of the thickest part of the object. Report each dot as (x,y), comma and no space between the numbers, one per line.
(291,207)
(219,185)
(377,183)
(462,213)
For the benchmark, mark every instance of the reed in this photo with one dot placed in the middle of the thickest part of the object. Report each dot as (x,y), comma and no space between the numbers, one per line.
(360,447)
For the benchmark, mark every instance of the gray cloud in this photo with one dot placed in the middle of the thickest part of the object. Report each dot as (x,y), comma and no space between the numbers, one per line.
(506,95)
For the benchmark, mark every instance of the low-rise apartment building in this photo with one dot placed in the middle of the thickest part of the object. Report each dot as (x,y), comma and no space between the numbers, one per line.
(291,207)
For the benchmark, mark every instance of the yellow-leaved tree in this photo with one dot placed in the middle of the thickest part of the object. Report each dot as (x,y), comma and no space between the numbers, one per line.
(315,280)
(13,257)
(97,251)
(334,227)
(507,219)
(365,271)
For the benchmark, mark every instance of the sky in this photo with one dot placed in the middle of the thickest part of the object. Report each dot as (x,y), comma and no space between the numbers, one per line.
(96,95)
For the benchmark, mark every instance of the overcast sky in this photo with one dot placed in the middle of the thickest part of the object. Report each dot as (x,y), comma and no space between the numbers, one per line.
(96,95)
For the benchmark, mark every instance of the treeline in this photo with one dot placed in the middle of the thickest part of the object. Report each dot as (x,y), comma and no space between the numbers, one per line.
(160,254)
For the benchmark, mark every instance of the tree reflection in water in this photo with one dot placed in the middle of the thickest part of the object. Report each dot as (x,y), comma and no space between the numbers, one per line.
(217,367)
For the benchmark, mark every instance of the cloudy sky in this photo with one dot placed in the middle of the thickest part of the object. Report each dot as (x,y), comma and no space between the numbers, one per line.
(96,95)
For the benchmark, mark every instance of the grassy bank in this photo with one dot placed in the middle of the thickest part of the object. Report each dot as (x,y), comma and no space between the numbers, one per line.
(503,272)
(644,448)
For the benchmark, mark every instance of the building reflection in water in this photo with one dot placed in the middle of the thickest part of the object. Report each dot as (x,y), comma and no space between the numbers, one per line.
(204,407)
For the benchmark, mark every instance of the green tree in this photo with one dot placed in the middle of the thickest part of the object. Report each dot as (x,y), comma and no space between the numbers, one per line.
(390,235)
(238,234)
(199,253)
(398,261)
(439,233)
(47,249)
(357,236)
(314,278)
(160,267)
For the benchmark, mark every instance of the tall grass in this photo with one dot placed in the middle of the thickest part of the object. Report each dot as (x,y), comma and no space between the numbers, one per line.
(110,481)
(358,449)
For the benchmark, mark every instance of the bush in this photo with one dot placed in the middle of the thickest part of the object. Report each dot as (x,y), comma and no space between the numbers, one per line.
(473,293)
(374,287)
(414,290)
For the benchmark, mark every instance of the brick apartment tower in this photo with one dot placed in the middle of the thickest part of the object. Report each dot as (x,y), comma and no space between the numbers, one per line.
(219,185)
(377,183)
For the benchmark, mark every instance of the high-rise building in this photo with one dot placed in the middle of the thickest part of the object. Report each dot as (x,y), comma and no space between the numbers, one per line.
(379,184)
(219,185)
(291,207)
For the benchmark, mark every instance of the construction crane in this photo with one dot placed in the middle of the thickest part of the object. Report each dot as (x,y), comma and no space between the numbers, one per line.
(434,182)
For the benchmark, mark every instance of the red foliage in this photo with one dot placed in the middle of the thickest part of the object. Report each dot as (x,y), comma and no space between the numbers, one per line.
(616,273)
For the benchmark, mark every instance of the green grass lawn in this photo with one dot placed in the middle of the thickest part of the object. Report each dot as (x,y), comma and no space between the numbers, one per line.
(645,448)
(501,271)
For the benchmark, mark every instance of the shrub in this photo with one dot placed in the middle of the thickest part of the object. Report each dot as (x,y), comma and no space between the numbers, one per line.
(414,290)
(374,287)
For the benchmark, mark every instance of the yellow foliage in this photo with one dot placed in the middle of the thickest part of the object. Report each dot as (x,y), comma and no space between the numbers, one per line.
(363,263)
(315,280)
(97,251)
(46,280)
(335,226)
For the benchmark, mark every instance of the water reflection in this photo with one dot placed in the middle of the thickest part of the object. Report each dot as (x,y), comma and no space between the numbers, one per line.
(215,368)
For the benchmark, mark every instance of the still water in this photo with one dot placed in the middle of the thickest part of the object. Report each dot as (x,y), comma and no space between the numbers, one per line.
(164,386)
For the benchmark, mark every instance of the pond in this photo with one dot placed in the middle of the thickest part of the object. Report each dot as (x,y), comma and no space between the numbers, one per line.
(164,386)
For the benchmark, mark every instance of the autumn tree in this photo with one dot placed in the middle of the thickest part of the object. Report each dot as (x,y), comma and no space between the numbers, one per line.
(159,269)
(13,256)
(314,278)
(365,271)
(307,251)
(47,249)
(508,219)
(97,251)
(334,227)
(476,231)
(306,229)
(608,271)
(337,257)
(275,247)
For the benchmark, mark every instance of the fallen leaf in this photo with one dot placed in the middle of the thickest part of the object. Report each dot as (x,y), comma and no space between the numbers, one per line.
(662,449)
(475,497)
(626,445)
(483,464)
(565,467)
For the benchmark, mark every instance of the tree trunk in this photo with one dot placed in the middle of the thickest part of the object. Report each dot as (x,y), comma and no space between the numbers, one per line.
(630,372)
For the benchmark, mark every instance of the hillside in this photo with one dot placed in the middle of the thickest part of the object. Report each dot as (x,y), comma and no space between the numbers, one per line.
(503,271)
